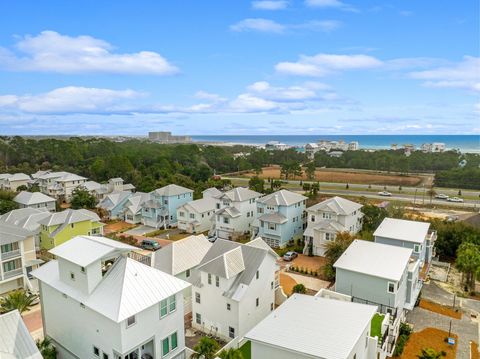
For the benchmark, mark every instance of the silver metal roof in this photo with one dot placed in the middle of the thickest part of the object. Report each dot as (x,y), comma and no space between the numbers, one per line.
(282,198)
(403,230)
(29,198)
(172,190)
(15,340)
(336,204)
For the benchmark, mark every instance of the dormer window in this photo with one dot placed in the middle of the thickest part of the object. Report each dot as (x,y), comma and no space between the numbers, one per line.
(131,321)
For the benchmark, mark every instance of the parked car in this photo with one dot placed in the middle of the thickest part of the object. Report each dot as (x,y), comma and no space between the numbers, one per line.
(452,218)
(290,256)
(212,239)
(150,244)
(441,196)
(385,193)
(454,199)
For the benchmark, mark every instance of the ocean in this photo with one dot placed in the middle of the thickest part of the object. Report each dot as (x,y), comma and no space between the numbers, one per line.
(464,143)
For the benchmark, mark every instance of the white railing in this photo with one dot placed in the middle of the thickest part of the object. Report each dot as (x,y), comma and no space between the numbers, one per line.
(12,273)
(11,254)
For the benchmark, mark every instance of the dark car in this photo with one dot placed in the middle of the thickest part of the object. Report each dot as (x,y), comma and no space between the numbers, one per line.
(150,244)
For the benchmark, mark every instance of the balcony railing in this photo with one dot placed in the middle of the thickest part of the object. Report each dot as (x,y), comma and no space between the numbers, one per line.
(12,273)
(11,254)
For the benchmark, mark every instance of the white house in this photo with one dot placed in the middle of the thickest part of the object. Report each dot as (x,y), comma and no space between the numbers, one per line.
(326,218)
(196,216)
(415,235)
(28,219)
(379,274)
(100,190)
(314,327)
(233,288)
(180,258)
(15,340)
(36,200)
(235,212)
(17,257)
(59,184)
(99,303)
(10,182)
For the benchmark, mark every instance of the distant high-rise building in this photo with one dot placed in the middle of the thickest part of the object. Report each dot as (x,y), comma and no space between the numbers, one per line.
(166,137)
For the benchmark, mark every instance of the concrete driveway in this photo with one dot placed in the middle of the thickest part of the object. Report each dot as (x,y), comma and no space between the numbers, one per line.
(140,230)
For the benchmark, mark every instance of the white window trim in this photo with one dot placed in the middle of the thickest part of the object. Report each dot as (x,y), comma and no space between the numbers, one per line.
(134,321)
(394,287)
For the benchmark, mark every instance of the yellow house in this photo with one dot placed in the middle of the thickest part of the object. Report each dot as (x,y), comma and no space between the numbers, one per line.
(61,226)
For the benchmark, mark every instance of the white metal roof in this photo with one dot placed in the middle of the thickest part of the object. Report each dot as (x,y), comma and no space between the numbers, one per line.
(201,205)
(29,198)
(240,194)
(172,190)
(282,198)
(336,204)
(375,259)
(84,250)
(315,326)
(15,340)
(69,216)
(18,177)
(401,229)
(128,288)
(181,255)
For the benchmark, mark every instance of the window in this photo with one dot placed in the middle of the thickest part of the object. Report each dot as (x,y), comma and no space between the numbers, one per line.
(228,306)
(72,225)
(226,220)
(173,303)
(163,308)
(272,226)
(165,202)
(218,205)
(327,215)
(248,214)
(257,302)
(192,215)
(165,346)
(209,278)
(173,338)
(417,248)
(261,224)
(260,210)
(329,236)
(231,332)
(197,297)
(198,318)
(96,352)
(391,287)
(82,269)
(217,281)
(187,273)
(271,285)
(181,214)
(131,321)
(72,276)
(271,306)
(105,356)
(257,275)
(312,218)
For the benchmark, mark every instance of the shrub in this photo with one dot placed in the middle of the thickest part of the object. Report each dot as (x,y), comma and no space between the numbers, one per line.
(299,288)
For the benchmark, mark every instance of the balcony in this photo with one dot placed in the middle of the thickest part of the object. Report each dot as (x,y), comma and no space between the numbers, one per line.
(11,254)
(12,273)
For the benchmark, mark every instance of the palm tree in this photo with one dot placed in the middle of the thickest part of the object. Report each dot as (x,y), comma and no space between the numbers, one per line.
(431,193)
(17,299)
(205,349)
(46,348)
(231,353)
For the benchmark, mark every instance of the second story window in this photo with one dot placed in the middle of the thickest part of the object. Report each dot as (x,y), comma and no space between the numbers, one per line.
(197,298)
(257,275)
(209,278)
(226,220)
(257,302)
(217,281)
(192,215)
(131,321)
(391,287)
(312,218)
(187,273)
(228,306)
(72,276)
(172,303)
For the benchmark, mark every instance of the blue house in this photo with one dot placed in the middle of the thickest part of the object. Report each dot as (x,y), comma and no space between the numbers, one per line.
(114,203)
(280,217)
(161,209)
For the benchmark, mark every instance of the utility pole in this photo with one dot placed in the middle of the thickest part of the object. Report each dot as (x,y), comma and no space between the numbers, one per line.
(415,197)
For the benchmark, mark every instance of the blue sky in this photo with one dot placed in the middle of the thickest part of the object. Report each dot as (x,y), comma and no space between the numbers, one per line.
(240,67)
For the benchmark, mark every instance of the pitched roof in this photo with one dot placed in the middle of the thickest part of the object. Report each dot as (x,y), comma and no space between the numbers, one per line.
(401,229)
(15,339)
(201,205)
(128,288)
(172,190)
(322,328)
(26,218)
(29,198)
(273,218)
(375,259)
(228,259)
(324,225)
(67,177)
(240,194)
(336,204)
(114,199)
(230,211)
(84,250)
(211,192)
(181,255)
(10,233)
(69,216)
(91,186)
(18,177)
(282,198)
(135,202)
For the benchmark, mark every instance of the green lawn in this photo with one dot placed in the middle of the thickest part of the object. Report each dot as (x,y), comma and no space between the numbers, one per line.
(376,325)
(246,350)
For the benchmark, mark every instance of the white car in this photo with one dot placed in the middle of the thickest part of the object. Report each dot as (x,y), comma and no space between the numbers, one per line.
(454,199)
(441,196)
(384,193)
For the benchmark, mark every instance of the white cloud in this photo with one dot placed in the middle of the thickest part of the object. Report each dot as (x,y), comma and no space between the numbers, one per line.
(71,100)
(324,64)
(292,93)
(209,96)
(50,51)
(464,75)
(250,103)
(337,4)
(270,4)
(266,25)
(262,25)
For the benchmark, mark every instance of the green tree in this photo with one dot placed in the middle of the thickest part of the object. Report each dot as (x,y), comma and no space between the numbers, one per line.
(468,262)
(205,349)
(231,353)
(47,348)
(17,299)
(22,188)
(299,288)
(256,184)
(334,249)
(310,171)
(81,198)
(430,353)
